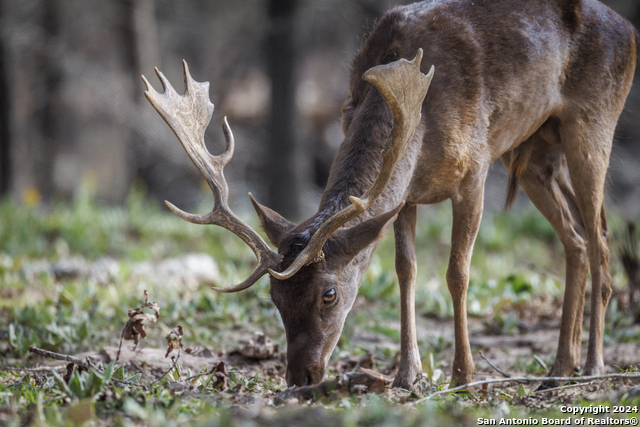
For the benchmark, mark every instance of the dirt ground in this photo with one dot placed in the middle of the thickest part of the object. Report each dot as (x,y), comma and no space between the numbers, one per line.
(509,353)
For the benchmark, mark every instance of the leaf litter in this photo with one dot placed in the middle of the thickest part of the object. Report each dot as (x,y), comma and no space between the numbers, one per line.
(253,372)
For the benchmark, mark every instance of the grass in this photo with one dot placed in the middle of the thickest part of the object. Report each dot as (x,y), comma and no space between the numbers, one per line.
(71,314)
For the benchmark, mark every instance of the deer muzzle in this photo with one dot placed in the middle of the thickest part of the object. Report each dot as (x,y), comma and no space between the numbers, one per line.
(307,359)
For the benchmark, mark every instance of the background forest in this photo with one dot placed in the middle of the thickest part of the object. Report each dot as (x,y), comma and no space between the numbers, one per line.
(72,106)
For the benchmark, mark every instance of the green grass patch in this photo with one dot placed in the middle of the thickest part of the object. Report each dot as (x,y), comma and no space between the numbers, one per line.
(517,259)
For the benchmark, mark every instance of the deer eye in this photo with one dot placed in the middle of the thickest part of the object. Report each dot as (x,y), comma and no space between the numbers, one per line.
(329,296)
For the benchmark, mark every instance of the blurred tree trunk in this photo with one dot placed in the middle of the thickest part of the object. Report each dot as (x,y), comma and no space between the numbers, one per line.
(5,117)
(140,34)
(49,114)
(283,179)
(140,54)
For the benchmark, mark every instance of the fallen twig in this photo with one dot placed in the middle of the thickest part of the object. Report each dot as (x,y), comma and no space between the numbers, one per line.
(491,365)
(126,326)
(201,374)
(67,358)
(211,371)
(40,369)
(563,387)
(58,356)
(527,380)
(175,362)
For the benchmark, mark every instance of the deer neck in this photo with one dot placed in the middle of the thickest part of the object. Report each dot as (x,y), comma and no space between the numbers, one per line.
(356,166)
(358,163)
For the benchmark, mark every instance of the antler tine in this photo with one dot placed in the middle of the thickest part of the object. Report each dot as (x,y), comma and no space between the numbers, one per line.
(188,116)
(403,87)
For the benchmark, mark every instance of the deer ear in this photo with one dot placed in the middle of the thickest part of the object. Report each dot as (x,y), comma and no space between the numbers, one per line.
(354,239)
(274,224)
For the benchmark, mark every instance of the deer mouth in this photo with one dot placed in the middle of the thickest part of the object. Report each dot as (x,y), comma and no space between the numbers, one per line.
(305,376)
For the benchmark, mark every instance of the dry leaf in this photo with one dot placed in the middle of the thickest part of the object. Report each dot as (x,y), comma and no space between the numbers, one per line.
(220,377)
(174,339)
(71,367)
(134,329)
(377,387)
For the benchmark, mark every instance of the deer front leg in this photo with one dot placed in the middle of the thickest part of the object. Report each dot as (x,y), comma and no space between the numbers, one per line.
(467,213)
(406,268)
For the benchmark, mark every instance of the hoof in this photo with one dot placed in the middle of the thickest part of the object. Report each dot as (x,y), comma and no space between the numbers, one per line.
(406,375)
(557,372)
(404,383)
(594,370)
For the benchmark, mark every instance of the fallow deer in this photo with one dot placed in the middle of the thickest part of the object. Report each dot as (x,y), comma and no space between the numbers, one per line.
(537,83)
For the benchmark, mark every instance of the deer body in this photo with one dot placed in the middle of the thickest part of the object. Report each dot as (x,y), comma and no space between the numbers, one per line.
(537,83)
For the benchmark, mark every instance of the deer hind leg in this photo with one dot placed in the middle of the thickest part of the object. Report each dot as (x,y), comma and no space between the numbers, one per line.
(406,268)
(467,213)
(546,182)
(587,145)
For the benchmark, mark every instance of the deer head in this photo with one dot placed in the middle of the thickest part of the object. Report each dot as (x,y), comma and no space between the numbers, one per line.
(314,281)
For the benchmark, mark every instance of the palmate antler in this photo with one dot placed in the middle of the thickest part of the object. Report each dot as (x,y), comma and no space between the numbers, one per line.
(401,84)
(188,116)
(403,87)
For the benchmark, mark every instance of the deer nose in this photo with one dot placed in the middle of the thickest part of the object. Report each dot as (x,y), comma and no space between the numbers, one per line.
(298,379)
(305,376)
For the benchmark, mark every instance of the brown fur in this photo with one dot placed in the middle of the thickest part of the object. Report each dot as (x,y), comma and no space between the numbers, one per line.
(517,165)
(538,83)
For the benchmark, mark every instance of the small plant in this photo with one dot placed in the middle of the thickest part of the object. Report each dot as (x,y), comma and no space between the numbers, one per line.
(82,384)
(502,324)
